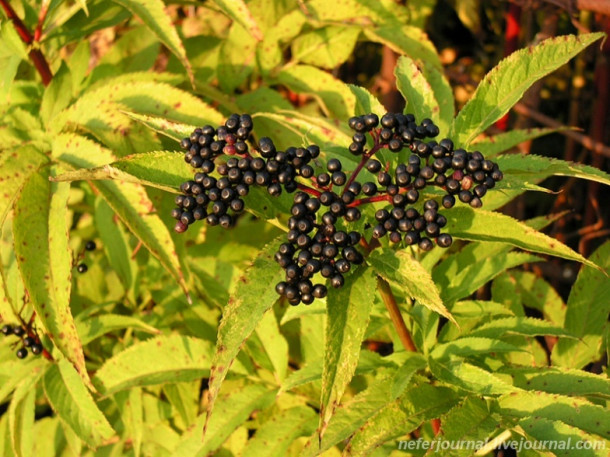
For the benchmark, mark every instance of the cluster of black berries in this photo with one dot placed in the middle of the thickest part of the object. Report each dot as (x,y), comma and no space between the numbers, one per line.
(317,241)
(30,340)
(218,199)
(82,267)
(315,245)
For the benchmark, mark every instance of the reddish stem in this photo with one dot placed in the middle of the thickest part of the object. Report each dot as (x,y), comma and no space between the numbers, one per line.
(365,158)
(308,190)
(36,55)
(376,198)
(41,18)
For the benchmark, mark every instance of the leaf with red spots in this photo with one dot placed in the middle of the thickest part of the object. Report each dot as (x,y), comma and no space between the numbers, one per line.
(239,12)
(254,296)
(159,360)
(74,405)
(40,234)
(152,13)
(128,200)
(505,84)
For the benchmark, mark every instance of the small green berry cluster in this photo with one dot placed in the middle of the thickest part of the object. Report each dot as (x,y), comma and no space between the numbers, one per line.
(29,340)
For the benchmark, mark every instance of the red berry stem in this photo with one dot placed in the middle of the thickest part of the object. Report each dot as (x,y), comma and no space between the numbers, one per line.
(308,190)
(365,157)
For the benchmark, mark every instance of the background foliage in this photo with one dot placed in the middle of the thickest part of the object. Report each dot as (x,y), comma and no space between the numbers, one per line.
(167,334)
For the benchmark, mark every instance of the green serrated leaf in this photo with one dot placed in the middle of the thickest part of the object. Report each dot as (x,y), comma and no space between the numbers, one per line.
(563,381)
(15,168)
(164,170)
(504,85)
(407,40)
(478,273)
(467,346)
(333,95)
(152,13)
(57,95)
(536,168)
(92,327)
(366,102)
(231,411)
(275,436)
(491,146)
(458,373)
(326,47)
(351,416)
(587,314)
(400,417)
(239,12)
(129,201)
(174,130)
(418,94)
(132,415)
(70,399)
(478,225)
(562,439)
(21,417)
(401,268)
(405,372)
(572,411)
(470,422)
(254,295)
(40,233)
(526,326)
(173,358)
(348,312)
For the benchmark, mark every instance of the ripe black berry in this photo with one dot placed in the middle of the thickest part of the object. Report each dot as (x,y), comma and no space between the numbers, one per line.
(22,353)
(36,348)
(90,246)
(7,330)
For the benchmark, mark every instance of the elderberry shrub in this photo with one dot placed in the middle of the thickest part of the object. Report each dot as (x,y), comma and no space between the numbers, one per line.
(318,247)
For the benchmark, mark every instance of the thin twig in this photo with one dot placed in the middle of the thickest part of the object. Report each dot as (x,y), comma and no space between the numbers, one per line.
(399,324)
(35,54)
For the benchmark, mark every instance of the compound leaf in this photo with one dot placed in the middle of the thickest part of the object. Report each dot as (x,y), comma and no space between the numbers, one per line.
(504,85)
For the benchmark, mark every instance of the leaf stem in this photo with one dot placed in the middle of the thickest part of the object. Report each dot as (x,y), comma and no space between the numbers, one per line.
(399,324)
(35,54)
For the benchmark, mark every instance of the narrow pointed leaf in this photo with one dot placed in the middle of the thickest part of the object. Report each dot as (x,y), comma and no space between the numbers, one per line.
(563,381)
(275,436)
(90,328)
(334,96)
(491,146)
(351,416)
(366,102)
(418,94)
(254,296)
(152,13)
(536,168)
(505,84)
(326,47)
(405,372)
(526,326)
(174,130)
(21,417)
(129,201)
(471,422)
(547,433)
(405,39)
(587,314)
(468,224)
(348,312)
(457,373)
(70,399)
(231,412)
(239,12)
(155,361)
(402,416)
(45,260)
(401,268)
(572,411)
(467,346)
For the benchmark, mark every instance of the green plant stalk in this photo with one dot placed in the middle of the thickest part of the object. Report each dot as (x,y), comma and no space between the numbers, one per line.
(399,324)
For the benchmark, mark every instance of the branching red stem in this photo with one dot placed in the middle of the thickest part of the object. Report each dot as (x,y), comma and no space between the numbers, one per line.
(36,55)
